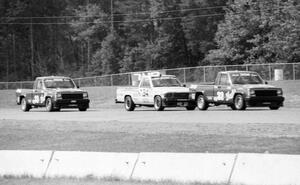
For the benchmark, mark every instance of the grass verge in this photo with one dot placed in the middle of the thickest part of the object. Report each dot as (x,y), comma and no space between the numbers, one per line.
(87,181)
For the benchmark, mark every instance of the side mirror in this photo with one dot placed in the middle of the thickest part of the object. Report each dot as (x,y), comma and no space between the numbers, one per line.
(77,86)
(183,85)
(266,82)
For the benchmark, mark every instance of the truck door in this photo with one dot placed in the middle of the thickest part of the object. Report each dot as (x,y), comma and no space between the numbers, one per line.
(221,89)
(144,91)
(37,97)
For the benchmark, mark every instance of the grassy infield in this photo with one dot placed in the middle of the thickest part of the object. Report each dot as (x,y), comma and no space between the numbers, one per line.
(104,97)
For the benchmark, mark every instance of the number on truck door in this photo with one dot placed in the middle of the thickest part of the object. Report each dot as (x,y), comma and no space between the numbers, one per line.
(222,89)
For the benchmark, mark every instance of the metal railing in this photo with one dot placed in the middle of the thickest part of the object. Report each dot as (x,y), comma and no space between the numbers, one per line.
(199,74)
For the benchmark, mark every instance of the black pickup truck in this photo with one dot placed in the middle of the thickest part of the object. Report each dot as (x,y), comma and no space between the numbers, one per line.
(238,90)
(54,93)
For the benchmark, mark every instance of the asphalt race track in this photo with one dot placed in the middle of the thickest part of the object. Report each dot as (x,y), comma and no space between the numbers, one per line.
(221,114)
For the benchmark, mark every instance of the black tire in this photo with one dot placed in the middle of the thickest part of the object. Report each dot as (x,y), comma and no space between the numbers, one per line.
(274,107)
(49,105)
(239,102)
(24,105)
(232,107)
(129,104)
(82,108)
(190,107)
(158,104)
(201,102)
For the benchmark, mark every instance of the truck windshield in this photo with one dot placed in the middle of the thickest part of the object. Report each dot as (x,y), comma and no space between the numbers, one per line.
(246,78)
(165,82)
(59,83)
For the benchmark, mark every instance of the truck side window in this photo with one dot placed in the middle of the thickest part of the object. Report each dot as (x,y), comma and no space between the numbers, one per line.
(145,83)
(224,79)
(39,84)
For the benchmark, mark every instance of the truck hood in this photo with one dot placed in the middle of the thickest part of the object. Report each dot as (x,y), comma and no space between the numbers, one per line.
(70,90)
(172,89)
(257,86)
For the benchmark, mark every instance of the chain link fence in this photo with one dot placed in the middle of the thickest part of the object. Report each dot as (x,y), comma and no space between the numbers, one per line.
(200,74)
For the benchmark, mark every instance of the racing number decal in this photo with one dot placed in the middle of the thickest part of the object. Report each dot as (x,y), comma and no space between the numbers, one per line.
(220,96)
(145,92)
(36,99)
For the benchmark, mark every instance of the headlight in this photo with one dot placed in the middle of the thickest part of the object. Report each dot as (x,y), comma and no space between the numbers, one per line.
(58,95)
(85,95)
(279,92)
(192,96)
(251,92)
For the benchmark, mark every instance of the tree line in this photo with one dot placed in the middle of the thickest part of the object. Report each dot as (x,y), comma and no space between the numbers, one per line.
(89,37)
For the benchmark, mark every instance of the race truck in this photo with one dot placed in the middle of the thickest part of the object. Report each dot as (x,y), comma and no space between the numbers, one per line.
(238,90)
(54,93)
(158,91)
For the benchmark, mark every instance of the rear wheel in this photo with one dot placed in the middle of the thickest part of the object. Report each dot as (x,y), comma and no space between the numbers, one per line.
(24,105)
(49,105)
(129,104)
(158,105)
(239,102)
(201,102)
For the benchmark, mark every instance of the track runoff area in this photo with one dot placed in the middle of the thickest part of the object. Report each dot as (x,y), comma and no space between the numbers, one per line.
(174,132)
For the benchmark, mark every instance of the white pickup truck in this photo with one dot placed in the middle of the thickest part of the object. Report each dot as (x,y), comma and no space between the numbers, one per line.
(158,91)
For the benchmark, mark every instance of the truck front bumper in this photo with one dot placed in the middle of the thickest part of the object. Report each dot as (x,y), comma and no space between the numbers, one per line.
(82,103)
(264,101)
(169,102)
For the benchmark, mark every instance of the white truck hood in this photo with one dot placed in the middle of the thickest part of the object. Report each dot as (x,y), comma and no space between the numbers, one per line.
(172,89)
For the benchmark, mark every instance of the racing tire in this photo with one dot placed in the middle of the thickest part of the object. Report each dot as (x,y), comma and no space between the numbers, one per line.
(202,104)
(82,109)
(24,105)
(190,107)
(274,107)
(49,105)
(158,104)
(239,102)
(129,104)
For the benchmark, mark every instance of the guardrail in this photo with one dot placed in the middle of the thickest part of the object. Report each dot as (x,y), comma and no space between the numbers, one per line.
(221,168)
(290,71)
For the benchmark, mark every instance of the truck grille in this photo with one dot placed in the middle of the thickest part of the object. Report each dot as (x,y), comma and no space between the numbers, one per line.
(265,92)
(72,96)
(178,95)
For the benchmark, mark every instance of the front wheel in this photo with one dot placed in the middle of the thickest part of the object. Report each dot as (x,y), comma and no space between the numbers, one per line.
(129,104)
(239,103)
(274,107)
(49,105)
(190,107)
(201,102)
(82,108)
(158,104)
(24,105)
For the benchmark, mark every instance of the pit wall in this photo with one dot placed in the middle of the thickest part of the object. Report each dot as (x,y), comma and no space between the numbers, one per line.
(241,168)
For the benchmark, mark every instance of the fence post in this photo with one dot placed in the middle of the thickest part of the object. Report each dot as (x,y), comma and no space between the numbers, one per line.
(79,84)
(7,85)
(129,79)
(204,74)
(270,73)
(294,72)
(184,77)
(111,80)
(21,85)
(95,81)
(247,68)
